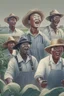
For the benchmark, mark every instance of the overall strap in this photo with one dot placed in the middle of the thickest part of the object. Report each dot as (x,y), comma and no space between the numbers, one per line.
(31,62)
(19,63)
(49,32)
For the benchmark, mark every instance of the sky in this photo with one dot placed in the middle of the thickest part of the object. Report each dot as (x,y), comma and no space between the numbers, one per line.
(21,7)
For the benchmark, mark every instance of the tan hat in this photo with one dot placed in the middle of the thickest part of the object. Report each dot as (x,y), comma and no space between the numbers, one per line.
(52,13)
(26,17)
(10,39)
(11,15)
(54,42)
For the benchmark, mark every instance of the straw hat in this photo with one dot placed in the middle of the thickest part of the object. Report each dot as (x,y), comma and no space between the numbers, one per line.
(54,42)
(21,41)
(26,17)
(11,15)
(10,39)
(53,13)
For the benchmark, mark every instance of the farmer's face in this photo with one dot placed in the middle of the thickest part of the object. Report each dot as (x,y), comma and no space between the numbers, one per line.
(24,47)
(57,52)
(55,20)
(12,21)
(11,45)
(35,20)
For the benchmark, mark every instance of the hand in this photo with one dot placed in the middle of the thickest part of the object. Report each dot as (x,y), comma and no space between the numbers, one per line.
(62,81)
(44,83)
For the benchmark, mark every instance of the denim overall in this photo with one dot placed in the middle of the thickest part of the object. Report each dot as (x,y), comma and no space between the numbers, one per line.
(55,77)
(25,78)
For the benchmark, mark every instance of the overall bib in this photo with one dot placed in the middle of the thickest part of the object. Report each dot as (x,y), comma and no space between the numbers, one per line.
(55,77)
(25,78)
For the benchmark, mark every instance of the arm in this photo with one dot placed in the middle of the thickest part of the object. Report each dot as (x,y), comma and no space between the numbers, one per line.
(40,72)
(9,74)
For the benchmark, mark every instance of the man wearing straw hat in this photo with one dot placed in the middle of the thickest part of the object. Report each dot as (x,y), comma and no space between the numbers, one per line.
(11,20)
(50,71)
(22,67)
(8,45)
(53,31)
(32,20)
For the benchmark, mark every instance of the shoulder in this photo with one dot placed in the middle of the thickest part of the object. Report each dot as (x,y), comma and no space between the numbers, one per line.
(46,28)
(12,60)
(33,58)
(18,30)
(45,59)
(60,30)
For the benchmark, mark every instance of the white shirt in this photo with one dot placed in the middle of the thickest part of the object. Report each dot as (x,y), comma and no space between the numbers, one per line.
(49,32)
(44,67)
(13,69)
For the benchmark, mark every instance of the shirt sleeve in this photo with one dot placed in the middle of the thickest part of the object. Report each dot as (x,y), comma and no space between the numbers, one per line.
(40,70)
(10,70)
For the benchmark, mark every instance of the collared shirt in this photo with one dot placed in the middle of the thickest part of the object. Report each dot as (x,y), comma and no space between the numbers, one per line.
(13,69)
(49,32)
(46,65)
(39,42)
(17,33)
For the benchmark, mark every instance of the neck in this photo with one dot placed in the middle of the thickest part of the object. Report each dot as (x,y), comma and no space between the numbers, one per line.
(55,59)
(11,51)
(12,28)
(53,27)
(34,30)
(24,56)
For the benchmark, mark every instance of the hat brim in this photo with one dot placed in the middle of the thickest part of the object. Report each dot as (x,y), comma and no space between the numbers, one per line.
(18,44)
(6,19)
(6,43)
(49,17)
(26,17)
(48,49)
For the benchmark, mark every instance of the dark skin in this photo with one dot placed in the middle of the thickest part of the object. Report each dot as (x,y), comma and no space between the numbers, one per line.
(54,22)
(23,48)
(12,22)
(10,46)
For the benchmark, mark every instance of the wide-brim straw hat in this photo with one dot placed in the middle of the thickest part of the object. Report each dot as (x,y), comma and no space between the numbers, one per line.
(53,13)
(54,42)
(26,17)
(10,39)
(11,15)
(21,41)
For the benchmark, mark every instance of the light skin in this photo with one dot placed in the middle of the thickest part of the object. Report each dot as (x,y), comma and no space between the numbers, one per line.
(12,22)
(56,54)
(35,21)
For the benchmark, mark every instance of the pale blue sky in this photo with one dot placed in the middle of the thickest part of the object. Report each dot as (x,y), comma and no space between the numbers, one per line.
(21,7)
